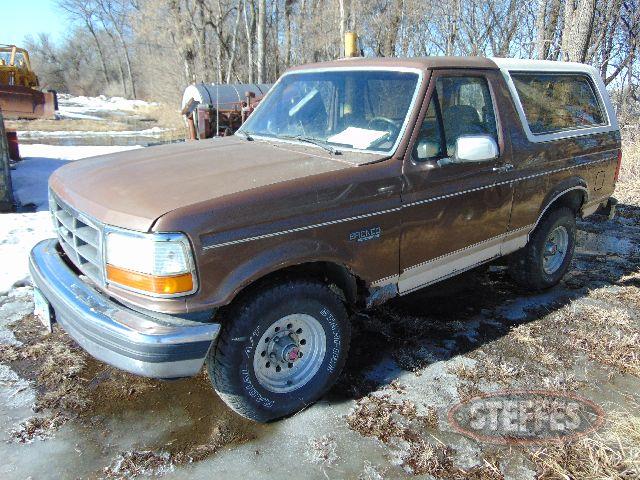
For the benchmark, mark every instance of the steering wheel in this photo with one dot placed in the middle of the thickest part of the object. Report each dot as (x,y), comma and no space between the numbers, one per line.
(387,125)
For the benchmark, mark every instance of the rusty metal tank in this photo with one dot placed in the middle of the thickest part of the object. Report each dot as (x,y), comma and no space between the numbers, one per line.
(213,110)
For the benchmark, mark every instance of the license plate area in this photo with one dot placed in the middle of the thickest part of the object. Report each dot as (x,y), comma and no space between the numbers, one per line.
(42,310)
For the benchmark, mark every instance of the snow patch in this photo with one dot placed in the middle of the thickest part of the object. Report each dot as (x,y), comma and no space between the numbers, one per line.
(601,243)
(15,392)
(71,104)
(21,231)
(517,309)
(68,152)
(149,132)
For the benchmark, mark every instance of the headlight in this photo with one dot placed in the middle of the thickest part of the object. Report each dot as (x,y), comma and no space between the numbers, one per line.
(160,264)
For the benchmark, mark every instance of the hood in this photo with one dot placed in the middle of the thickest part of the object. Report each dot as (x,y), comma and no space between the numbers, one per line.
(132,189)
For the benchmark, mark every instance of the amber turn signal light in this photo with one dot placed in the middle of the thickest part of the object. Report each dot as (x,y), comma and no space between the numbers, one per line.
(150,283)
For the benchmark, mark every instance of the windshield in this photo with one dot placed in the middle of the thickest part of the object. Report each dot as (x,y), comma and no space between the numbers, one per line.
(360,109)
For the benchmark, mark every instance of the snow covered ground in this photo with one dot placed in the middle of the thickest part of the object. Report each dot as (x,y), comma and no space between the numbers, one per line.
(94,108)
(147,132)
(102,121)
(21,231)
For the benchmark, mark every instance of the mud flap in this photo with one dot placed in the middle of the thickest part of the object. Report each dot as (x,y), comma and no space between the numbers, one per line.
(609,209)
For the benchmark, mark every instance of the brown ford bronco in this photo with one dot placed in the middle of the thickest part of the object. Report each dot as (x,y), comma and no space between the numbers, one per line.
(353,182)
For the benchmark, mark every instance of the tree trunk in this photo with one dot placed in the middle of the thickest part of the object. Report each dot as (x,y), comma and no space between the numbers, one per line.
(391,36)
(541,29)
(184,40)
(343,24)
(132,82)
(262,40)
(288,5)
(103,65)
(579,16)
(122,79)
(452,35)
(234,42)
(200,32)
(249,27)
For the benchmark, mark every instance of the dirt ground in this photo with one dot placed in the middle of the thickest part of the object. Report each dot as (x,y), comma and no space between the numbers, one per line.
(65,415)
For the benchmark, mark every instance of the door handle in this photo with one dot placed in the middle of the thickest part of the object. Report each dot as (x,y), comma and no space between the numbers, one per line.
(386,189)
(503,169)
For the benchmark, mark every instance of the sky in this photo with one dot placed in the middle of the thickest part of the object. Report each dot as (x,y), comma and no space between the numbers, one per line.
(19,18)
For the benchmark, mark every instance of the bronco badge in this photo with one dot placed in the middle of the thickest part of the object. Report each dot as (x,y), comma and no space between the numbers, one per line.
(365,234)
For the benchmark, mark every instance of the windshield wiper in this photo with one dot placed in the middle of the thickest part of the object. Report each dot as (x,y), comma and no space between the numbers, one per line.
(314,141)
(247,135)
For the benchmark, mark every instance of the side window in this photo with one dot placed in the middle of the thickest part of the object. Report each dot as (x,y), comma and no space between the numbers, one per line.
(555,102)
(430,141)
(459,106)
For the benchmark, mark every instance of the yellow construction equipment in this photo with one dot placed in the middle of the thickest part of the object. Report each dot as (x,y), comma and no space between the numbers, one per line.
(20,96)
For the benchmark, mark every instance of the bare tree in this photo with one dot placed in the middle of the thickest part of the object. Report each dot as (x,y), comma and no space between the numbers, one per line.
(155,47)
(86,13)
(262,40)
(116,11)
(579,17)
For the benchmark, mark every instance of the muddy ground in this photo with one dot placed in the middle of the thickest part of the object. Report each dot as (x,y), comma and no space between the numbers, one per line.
(65,415)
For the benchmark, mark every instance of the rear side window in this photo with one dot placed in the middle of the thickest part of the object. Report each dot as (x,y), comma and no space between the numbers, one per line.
(556,102)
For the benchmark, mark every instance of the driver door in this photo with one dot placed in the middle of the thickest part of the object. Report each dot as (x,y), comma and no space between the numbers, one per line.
(455,214)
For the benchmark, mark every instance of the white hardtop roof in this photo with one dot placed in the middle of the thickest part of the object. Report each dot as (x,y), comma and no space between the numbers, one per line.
(515,64)
(508,65)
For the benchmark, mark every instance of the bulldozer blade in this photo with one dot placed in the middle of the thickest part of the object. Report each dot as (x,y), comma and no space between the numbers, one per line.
(27,103)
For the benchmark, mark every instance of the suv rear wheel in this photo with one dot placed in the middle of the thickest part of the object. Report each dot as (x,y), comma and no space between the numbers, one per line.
(547,256)
(280,349)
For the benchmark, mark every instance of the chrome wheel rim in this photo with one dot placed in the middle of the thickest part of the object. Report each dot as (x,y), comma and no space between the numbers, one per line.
(555,250)
(289,353)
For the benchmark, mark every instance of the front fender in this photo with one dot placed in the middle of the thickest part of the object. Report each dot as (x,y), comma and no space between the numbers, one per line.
(272,257)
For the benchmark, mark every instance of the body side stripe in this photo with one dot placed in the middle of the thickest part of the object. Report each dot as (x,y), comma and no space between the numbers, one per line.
(408,205)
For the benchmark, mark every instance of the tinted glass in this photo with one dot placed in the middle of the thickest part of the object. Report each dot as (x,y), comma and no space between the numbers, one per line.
(466,108)
(357,109)
(556,102)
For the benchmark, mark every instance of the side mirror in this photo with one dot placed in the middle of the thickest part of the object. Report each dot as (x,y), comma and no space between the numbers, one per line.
(475,148)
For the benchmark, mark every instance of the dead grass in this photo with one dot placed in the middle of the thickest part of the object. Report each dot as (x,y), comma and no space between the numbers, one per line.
(628,295)
(606,333)
(422,457)
(430,418)
(379,417)
(165,116)
(67,124)
(612,454)
(139,463)
(39,428)
(53,362)
(397,424)
(160,115)
(628,187)
(604,327)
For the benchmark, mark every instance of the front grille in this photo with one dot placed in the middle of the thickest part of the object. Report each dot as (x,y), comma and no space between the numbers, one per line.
(80,238)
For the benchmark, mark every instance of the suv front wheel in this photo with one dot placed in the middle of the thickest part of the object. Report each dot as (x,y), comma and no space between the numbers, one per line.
(547,256)
(280,349)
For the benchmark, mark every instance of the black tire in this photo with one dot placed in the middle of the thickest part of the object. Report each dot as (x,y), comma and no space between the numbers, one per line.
(230,364)
(526,265)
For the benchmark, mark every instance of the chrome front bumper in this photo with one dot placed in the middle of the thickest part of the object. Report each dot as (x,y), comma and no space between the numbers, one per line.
(152,345)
